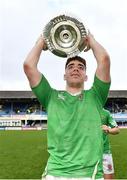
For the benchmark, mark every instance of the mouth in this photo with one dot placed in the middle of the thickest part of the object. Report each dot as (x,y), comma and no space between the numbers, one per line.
(75,75)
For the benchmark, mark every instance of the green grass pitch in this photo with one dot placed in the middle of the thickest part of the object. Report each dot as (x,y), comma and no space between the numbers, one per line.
(23,154)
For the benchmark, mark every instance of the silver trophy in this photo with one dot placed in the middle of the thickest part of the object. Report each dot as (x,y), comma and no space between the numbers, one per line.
(65,36)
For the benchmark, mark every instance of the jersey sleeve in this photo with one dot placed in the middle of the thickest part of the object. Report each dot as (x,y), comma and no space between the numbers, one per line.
(43,91)
(101,89)
(111,122)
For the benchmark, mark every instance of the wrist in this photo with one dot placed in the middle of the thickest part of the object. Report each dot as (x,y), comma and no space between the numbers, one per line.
(40,43)
(108,130)
(93,43)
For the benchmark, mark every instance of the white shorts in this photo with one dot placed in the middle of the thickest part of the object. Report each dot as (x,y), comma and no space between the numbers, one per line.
(108,167)
(49,177)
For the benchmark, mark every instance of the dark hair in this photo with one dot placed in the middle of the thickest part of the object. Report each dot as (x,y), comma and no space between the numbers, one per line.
(76,58)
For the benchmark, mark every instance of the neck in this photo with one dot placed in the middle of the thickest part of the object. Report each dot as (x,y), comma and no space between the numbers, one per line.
(74,90)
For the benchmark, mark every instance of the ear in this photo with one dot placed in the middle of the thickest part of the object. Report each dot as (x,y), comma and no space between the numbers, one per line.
(86,77)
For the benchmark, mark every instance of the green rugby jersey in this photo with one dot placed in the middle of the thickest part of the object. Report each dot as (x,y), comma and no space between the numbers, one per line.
(75,141)
(108,120)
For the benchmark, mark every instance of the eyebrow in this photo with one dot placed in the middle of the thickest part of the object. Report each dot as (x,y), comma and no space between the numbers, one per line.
(80,64)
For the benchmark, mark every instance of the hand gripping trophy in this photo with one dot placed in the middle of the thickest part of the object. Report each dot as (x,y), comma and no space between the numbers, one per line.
(65,36)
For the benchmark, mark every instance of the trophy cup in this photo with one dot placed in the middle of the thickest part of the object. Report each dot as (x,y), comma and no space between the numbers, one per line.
(65,36)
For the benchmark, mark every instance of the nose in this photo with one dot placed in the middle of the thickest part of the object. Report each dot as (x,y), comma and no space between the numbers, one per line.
(75,68)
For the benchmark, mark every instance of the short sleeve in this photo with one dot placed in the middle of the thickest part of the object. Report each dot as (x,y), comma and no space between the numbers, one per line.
(101,89)
(43,91)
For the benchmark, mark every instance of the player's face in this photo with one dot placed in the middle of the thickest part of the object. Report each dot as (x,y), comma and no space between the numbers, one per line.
(75,73)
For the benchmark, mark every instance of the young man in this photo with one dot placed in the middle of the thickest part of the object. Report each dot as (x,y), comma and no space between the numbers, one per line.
(75,141)
(109,127)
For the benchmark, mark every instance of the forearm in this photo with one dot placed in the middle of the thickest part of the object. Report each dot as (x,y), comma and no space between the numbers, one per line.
(99,52)
(30,63)
(33,57)
(108,130)
(114,131)
(102,59)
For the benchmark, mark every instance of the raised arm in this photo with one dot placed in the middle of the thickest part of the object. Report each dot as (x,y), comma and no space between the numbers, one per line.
(30,63)
(102,58)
